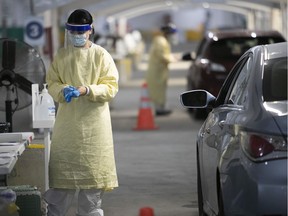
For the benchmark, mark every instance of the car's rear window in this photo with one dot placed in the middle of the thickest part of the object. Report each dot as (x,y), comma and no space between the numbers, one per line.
(233,48)
(275,80)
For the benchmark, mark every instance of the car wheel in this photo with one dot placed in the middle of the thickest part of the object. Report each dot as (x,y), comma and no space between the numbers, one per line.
(199,190)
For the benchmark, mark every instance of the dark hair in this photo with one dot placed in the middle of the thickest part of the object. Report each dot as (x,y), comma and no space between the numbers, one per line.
(80,17)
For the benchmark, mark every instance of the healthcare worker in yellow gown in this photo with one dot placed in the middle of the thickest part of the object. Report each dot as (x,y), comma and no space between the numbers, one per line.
(82,79)
(158,72)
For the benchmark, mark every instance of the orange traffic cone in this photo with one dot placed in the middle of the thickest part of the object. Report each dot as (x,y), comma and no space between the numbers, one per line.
(146,211)
(145,116)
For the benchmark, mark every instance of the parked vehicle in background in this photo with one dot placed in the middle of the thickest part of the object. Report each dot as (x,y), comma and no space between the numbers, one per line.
(242,145)
(216,55)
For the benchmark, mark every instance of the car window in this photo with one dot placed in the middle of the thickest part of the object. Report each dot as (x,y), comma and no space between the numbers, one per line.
(222,51)
(269,40)
(275,80)
(231,49)
(226,87)
(239,92)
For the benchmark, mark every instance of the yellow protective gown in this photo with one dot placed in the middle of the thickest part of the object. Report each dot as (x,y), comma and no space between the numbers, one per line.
(157,74)
(82,151)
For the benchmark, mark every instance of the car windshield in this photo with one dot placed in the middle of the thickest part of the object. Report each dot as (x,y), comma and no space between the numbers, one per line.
(275,80)
(233,48)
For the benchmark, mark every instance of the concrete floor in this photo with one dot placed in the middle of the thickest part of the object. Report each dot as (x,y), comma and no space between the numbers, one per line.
(156,168)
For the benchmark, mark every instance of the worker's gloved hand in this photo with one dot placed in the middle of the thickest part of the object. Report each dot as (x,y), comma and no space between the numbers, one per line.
(70,92)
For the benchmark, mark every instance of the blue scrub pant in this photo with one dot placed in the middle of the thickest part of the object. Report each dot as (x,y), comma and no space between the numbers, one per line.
(60,200)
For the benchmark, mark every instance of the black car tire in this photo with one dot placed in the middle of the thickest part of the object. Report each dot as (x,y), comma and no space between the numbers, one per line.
(199,190)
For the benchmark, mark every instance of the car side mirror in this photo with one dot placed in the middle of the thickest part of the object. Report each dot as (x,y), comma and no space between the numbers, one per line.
(187,57)
(197,99)
(191,56)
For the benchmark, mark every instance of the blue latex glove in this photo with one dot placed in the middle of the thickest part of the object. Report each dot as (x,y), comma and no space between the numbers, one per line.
(70,92)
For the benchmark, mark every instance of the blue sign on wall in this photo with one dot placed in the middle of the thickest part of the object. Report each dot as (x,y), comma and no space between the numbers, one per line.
(34,31)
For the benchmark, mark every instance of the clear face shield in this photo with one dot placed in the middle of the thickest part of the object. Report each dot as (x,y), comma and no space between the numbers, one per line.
(173,39)
(173,36)
(77,35)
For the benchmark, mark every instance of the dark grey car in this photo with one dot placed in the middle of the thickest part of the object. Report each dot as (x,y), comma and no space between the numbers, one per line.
(242,145)
(217,53)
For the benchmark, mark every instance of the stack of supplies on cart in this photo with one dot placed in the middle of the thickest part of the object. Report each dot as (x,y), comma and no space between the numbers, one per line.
(28,199)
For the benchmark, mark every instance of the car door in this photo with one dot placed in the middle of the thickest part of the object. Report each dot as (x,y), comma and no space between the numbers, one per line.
(236,104)
(215,136)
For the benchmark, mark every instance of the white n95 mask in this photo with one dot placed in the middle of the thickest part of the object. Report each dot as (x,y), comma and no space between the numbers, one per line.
(78,40)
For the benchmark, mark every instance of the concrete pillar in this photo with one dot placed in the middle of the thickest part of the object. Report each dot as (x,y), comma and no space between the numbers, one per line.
(279,19)
(51,23)
(251,20)
(55,29)
(276,19)
(283,6)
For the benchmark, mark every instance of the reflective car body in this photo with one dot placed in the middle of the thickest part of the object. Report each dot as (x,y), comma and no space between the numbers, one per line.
(242,145)
(216,55)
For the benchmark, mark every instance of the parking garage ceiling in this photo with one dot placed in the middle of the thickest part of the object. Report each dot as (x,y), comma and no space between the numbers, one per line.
(139,7)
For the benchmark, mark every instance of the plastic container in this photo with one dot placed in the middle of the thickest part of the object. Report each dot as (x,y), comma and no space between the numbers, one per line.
(45,107)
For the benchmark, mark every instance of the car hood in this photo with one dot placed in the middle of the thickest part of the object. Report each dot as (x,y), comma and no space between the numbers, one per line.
(279,112)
